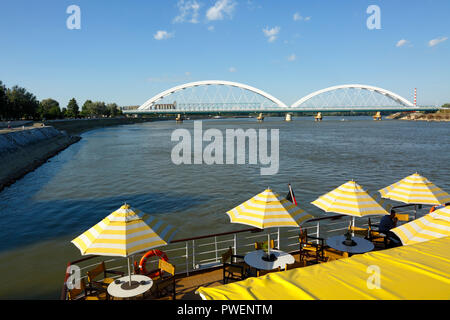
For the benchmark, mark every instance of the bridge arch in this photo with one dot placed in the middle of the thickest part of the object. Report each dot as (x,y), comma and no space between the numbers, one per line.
(149,103)
(389,94)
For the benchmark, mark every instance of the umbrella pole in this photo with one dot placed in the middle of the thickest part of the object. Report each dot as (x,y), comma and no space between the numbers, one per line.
(268,243)
(129,271)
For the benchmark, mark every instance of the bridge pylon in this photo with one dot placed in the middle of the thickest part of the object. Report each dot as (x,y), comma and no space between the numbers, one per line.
(288,117)
(318,116)
(260,117)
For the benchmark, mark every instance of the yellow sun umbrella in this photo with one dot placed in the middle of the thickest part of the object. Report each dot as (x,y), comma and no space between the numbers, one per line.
(268,209)
(349,199)
(431,226)
(123,233)
(415,189)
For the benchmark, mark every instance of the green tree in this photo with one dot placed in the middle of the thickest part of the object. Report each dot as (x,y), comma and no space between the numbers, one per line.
(98,108)
(86,108)
(49,109)
(113,110)
(72,109)
(21,103)
(3,101)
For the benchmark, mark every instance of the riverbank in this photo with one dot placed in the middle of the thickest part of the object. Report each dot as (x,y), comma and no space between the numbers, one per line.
(24,150)
(419,116)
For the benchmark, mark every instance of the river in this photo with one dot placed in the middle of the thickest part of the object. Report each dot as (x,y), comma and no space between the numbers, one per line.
(74,190)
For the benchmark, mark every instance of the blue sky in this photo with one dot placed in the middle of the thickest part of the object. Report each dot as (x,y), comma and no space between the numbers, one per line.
(118,55)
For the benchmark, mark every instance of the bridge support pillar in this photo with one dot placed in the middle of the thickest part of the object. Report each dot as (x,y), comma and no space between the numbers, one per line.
(318,116)
(288,117)
(179,118)
(377,116)
(260,117)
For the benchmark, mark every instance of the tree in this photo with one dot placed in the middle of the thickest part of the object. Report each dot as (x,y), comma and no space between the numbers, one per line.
(98,108)
(21,103)
(113,110)
(86,108)
(72,109)
(3,101)
(49,109)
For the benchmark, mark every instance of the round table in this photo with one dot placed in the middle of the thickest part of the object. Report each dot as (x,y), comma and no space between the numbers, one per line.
(117,290)
(254,259)
(362,245)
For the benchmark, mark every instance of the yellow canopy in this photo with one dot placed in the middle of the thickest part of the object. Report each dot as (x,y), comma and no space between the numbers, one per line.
(431,226)
(419,271)
(349,199)
(124,232)
(415,189)
(268,209)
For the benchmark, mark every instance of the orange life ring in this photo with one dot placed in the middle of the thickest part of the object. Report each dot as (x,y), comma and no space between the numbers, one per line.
(143,262)
(438,206)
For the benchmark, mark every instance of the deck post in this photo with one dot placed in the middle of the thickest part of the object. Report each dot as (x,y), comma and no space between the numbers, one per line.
(187,258)
(278,239)
(235,243)
(318,231)
(215,246)
(193,254)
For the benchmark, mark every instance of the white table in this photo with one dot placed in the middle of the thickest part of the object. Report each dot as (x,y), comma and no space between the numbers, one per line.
(254,259)
(362,245)
(120,291)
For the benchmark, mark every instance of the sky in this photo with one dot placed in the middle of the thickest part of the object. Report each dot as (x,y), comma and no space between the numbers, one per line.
(128,51)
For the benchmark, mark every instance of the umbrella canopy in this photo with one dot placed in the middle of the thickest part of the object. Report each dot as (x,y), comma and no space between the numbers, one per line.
(349,199)
(124,232)
(415,189)
(268,209)
(431,226)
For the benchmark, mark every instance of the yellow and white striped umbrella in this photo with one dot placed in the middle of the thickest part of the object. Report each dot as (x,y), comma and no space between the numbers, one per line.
(349,199)
(431,226)
(415,189)
(124,232)
(268,209)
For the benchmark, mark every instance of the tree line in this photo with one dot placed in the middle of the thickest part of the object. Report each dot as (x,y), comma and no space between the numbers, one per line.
(18,103)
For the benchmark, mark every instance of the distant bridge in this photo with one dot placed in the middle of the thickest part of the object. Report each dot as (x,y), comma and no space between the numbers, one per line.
(217,96)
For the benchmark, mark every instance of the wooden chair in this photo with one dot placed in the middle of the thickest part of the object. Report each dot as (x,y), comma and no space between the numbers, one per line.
(164,284)
(261,244)
(100,270)
(295,265)
(264,272)
(377,238)
(402,217)
(311,247)
(357,231)
(84,293)
(233,270)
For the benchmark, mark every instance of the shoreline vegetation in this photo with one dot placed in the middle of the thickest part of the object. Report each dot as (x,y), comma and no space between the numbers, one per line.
(442,115)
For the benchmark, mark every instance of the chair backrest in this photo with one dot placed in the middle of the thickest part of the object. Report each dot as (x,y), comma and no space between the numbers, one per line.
(76,292)
(259,245)
(166,267)
(93,273)
(227,255)
(402,216)
(303,237)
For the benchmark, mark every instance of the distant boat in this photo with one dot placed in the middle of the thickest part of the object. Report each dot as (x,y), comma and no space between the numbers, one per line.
(217,117)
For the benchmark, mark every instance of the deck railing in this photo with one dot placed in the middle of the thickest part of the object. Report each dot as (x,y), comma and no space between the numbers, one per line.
(203,252)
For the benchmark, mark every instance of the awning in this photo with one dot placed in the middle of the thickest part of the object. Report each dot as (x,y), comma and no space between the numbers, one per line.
(419,271)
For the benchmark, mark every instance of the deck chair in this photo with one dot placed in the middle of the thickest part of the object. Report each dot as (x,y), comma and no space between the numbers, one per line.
(232,269)
(295,265)
(377,238)
(259,245)
(84,293)
(402,217)
(100,271)
(165,283)
(311,247)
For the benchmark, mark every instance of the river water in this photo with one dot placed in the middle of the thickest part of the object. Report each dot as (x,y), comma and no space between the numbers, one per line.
(46,209)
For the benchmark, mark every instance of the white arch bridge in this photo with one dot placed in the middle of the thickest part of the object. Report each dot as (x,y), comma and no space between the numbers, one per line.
(218,96)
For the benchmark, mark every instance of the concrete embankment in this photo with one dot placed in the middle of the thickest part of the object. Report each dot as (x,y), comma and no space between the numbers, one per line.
(24,150)
(77,126)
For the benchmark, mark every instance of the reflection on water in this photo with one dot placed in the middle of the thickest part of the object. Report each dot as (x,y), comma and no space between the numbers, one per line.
(42,212)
